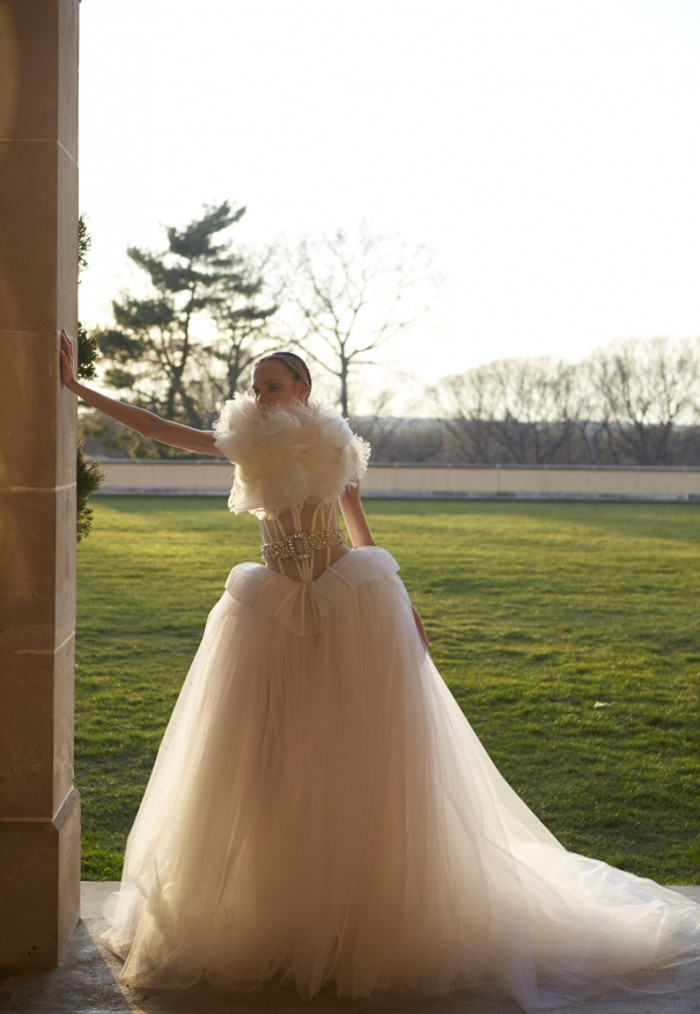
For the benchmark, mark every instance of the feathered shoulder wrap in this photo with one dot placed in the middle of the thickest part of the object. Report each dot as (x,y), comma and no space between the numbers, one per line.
(287,455)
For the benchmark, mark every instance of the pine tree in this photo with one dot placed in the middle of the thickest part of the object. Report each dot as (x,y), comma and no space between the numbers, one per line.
(174,350)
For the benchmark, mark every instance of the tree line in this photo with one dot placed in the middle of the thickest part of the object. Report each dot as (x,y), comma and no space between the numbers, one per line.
(633,402)
(209,309)
(629,403)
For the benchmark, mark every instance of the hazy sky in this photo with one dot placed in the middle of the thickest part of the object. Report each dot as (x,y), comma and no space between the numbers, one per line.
(547,150)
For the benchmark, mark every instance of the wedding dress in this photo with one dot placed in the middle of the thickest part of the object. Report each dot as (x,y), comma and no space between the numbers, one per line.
(320,811)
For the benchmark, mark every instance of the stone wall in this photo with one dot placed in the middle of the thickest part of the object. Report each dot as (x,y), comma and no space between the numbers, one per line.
(212,477)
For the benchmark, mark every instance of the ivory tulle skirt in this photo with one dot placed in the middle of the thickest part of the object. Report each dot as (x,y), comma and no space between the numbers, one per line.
(321,813)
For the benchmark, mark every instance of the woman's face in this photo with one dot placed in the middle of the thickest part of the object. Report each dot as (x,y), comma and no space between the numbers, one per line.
(275,384)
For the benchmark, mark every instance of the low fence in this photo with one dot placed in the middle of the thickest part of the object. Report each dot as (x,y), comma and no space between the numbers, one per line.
(517,482)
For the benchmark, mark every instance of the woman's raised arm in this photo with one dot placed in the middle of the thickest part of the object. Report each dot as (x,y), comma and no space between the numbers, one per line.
(144,422)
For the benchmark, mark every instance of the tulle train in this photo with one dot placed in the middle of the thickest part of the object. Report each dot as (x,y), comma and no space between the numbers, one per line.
(321,813)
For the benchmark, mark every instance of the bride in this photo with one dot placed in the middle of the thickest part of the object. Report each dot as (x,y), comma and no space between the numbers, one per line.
(320,811)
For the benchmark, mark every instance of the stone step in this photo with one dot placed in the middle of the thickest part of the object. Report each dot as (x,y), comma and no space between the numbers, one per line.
(86,984)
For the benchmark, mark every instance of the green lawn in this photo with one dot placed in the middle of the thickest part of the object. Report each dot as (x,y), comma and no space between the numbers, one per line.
(568,632)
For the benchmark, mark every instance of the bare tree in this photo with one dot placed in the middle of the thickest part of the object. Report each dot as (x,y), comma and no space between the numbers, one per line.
(540,404)
(242,316)
(512,410)
(644,389)
(469,405)
(349,296)
(398,438)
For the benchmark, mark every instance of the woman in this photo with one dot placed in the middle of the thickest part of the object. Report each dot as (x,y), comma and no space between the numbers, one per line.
(320,811)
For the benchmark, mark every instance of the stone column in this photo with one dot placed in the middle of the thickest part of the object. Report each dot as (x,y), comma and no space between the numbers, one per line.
(39,808)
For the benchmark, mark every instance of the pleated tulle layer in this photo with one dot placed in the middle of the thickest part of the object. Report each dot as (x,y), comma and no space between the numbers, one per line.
(321,813)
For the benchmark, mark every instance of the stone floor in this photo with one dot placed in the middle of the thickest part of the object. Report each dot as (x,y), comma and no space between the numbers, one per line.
(86,984)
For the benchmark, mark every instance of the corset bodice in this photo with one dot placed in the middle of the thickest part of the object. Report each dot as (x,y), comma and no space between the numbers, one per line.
(295,527)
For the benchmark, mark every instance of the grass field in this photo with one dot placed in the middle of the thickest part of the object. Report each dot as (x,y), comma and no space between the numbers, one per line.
(568,632)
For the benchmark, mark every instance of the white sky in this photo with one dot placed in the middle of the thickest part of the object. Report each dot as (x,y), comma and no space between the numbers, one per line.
(547,150)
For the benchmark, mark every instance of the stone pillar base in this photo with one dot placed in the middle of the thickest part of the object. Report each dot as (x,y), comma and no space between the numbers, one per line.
(39,872)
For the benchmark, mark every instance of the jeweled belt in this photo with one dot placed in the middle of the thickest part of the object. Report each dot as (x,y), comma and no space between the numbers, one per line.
(301,545)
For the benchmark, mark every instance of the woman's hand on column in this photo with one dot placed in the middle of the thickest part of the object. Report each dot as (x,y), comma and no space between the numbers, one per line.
(67,363)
